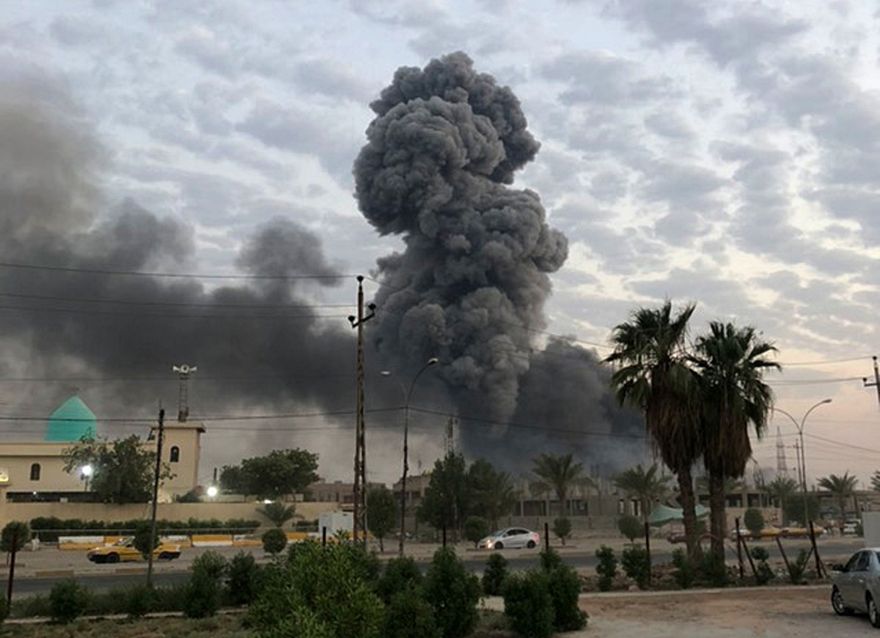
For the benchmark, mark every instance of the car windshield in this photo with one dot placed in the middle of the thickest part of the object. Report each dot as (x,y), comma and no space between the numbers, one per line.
(122,542)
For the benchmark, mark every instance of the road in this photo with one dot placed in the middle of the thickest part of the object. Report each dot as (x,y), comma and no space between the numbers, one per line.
(831,550)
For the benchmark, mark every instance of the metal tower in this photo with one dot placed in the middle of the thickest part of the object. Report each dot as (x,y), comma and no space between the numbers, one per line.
(183,371)
(781,465)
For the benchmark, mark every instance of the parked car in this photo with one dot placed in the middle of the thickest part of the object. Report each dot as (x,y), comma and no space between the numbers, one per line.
(852,527)
(768,532)
(125,551)
(510,538)
(679,537)
(793,531)
(856,585)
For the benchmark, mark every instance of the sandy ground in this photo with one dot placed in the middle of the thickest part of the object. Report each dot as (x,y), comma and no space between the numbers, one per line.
(804,612)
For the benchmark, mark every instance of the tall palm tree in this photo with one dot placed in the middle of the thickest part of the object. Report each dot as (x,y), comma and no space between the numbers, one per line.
(841,487)
(559,474)
(652,375)
(782,489)
(730,363)
(648,486)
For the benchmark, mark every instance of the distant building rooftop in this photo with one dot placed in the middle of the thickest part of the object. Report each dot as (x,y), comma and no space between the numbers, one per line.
(72,421)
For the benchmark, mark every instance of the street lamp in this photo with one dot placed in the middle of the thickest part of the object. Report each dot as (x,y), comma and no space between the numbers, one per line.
(86,472)
(212,491)
(802,461)
(407,396)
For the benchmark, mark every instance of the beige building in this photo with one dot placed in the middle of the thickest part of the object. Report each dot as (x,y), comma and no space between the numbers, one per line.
(34,470)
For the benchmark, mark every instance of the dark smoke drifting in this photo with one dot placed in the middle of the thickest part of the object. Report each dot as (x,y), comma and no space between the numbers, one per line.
(471,284)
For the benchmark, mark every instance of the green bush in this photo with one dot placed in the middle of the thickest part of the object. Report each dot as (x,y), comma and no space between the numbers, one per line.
(242,579)
(635,563)
(15,531)
(144,540)
(713,570)
(562,528)
(475,529)
(753,519)
(550,559)
(564,586)
(630,527)
(48,529)
(4,609)
(400,574)
(494,575)
(274,541)
(528,604)
(684,569)
(763,572)
(140,600)
(67,601)
(797,567)
(203,594)
(454,594)
(319,592)
(409,615)
(607,567)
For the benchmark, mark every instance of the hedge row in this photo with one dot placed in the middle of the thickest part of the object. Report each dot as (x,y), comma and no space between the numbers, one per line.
(49,528)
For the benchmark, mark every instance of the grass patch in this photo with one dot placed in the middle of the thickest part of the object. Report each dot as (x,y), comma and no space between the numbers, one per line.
(224,626)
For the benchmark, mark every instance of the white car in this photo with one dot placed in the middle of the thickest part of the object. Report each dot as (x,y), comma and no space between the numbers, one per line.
(510,538)
(851,527)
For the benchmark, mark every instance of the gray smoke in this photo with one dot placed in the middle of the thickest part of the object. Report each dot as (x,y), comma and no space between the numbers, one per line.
(471,284)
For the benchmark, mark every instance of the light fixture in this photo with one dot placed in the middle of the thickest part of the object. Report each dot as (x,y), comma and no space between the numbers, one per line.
(87,470)
(212,491)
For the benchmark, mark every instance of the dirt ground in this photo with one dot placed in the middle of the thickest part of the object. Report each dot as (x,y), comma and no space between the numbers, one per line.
(804,612)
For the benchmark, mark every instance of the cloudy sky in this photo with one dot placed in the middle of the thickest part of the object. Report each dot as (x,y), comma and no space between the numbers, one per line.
(718,152)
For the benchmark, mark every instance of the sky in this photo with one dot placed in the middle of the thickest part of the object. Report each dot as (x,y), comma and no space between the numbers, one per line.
(724,153)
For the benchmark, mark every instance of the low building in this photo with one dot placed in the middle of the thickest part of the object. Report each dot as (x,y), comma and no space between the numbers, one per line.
(34,470)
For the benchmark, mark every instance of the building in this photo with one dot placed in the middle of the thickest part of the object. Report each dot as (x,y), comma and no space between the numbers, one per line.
(335,492)
(34,470)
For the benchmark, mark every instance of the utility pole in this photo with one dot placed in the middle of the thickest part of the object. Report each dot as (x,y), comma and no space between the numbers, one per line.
(159,438)
(183,371)
(360,448)
(876,382)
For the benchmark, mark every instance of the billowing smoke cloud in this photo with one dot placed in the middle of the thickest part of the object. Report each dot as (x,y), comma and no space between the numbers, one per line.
(471,284)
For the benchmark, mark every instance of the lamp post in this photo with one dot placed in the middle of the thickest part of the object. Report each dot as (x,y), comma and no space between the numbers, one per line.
(407,396)
(802,461)
(86,472)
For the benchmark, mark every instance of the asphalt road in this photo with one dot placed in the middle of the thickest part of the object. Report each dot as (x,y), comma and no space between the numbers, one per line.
(832,551)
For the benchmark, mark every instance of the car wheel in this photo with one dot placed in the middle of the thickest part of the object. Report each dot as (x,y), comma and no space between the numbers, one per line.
(531,544)
(837,603)
(499,545)
(112,558)
(873,612)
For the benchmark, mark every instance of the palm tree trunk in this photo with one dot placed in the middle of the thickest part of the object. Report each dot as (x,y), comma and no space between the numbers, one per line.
(688,509)
(719,514)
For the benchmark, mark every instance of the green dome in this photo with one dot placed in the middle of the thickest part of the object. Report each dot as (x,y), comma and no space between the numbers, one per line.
(71,421)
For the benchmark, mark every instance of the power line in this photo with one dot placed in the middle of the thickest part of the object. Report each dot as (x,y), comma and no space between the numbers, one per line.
(138,273)
(181,304)
(158,315)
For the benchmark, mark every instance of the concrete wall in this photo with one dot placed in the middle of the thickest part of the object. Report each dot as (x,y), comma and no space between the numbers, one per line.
(168,511)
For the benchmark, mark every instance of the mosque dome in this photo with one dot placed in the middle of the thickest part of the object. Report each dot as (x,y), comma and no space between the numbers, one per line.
(71,421)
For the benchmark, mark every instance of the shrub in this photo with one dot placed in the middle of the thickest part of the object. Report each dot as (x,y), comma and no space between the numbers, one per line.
(684,569)
(318,592)
(475,529)
(400,574)
(607,567)
(494,575)
(4,609)
(565,588)
(202,596)
(796,568)
(562,528)
(550,559)
(410,616)
(763,573)
(754,522)
(274,541)
(635,563)
(630,527)
(713,569)
(14,536)
(139,601)
(144,540)
(67,601)
(528,604)
(454,594)
(242,579)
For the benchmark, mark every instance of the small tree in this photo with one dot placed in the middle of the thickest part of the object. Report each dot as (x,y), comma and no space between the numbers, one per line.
(562,528)
(274,541)
(446,497)
(203,593)
(635,563)
(454,594)
(475,529)
(630,527)
(607,567)
(754,522)
(382,518)
(494,575)
(144,540)
(14,536)
(278,513)
(67,601)
(279,473)
(528,604)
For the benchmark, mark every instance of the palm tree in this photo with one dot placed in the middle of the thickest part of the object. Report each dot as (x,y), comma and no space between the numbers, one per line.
(781,489)
(648,486)
(559,474)
(729,364)
(841,487)
(875,481)
(278,513)
(652,376)
(492,492)
(731,486)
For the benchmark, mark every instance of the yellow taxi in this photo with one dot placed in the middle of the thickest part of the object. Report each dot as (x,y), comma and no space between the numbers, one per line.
(124,551)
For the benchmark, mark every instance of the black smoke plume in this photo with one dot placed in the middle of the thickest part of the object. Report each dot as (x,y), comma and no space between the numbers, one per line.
(472,281)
